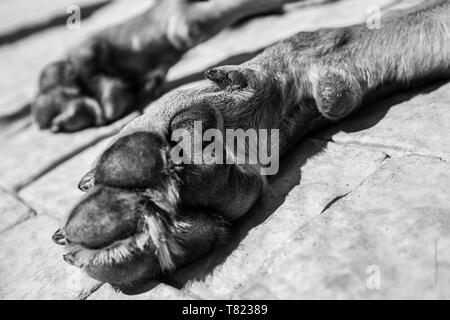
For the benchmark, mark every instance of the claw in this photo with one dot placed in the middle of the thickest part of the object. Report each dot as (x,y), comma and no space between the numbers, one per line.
(227,76)
(59,237)
(70,259)
(87,182)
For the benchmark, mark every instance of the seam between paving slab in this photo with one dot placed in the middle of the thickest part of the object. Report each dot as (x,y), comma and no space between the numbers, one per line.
(14,192)
(56,163)
(15,195)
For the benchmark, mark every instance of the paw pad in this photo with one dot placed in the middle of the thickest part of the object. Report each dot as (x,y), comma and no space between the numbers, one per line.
(102,217)
(136,160)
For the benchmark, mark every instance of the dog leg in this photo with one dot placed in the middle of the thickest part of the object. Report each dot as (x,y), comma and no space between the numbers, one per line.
(297,85)
(99,80)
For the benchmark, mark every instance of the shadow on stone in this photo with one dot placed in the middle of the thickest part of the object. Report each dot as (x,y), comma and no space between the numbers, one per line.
(60,20)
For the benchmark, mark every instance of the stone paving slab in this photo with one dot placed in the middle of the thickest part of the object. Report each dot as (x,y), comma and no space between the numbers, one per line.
(419,125)
(32,152)
(159,291)
(387,239)
(56,192)
(12,211)
(312,177)
(31,265)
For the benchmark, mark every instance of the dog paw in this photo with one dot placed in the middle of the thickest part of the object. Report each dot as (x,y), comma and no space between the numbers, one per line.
(70,98)
(99,80)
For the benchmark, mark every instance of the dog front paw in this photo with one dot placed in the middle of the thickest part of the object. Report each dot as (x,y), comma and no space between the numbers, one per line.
(67,101)
(99,80)
(122,236)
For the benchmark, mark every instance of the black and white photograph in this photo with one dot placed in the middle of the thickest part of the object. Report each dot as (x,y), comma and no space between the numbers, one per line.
(230,150)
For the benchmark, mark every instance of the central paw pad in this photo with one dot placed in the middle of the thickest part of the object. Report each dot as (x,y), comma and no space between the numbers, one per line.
(103,216)
(129,224)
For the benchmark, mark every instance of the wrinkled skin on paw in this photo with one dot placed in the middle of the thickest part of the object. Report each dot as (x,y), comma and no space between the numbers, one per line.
(106,73)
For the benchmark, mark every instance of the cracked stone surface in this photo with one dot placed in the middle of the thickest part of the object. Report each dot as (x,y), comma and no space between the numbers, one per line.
(56,192)
(389,238)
